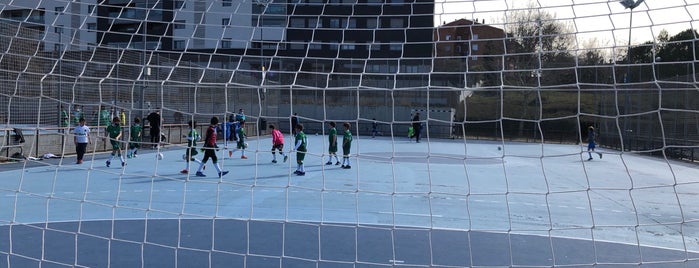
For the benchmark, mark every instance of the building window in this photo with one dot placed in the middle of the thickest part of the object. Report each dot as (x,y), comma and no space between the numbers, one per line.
(58,29)
(447,37)
(178,44)
(371,23)
(297,23)
(90,8)
(397,23)
(474,47)
(475,37)
(375,47)
(180,24)
(352,23)
(178,4)
(226,43)
(91,26)
(315,46)
(226,3)
(226,22)
(58,47)
(296,45)
(396,47)
(59,10)
(374,2)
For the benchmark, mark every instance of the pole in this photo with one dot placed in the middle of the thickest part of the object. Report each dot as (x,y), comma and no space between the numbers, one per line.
(144,66)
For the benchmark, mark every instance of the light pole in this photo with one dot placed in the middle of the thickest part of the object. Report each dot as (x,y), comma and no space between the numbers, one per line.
(262,91)
(629,4)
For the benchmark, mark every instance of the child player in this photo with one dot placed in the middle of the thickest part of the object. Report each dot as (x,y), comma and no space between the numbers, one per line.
(591,143)
(192,138)
(135,142)
(210,148)
(332,146)
(114,132)
(346,146)
(240,132)
(277,144)
(300,148)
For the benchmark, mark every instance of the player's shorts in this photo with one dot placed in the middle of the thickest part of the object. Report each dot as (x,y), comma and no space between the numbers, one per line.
(332,148)
(279,147)
(591,146)
(192,151)
(116,145)
(300,155)
(134,145)
(241,145)
(346,150)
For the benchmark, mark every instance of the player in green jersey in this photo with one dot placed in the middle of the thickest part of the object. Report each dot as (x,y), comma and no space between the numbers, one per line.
(346,146)
(300,148)
(114,135)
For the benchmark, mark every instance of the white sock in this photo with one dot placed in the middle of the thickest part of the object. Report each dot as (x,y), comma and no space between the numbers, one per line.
(201,167)
(217,168)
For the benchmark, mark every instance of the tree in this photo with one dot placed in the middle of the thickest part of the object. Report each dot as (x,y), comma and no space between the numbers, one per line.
(535,41)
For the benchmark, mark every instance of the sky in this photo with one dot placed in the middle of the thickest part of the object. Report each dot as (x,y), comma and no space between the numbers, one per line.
(604,22)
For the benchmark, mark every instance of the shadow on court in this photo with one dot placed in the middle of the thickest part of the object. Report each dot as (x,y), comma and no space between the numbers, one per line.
(240,243)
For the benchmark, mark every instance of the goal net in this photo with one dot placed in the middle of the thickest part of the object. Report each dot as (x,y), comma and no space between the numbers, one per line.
(467,133)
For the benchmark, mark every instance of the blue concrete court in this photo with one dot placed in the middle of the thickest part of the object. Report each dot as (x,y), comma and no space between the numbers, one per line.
(446,203)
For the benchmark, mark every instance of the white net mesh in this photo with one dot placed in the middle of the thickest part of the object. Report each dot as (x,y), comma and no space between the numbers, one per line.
(495,169)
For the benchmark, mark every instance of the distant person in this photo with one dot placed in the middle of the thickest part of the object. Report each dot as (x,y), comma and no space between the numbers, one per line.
(63,120)
(105,117)
(210,148)
(241,145)
(294,123)
(591,143)
(346,146)
(332,144)
(114,136)
(136,132)
(155,121)
(77,114)
(240,116)
(300,143)
(277,144)
(417,127)
(374,128)
(81,139)
(122,117)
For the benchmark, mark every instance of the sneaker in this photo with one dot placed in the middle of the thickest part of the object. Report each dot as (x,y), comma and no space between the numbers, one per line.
(199,174)
(128,156)
(343,166)
(243,157)
(337,163)
(274,161)
(134,155)
(329,163)
(79,162)
(108,163)
(123,164)
(230,153)
(347,167)
(297,172)
(286,157)
(220,174)
(589,159)
(301,173)
(184,171)
(600,155)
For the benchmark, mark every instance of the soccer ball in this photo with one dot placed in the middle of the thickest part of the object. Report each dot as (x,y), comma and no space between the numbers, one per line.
(159,156)
(499,148)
